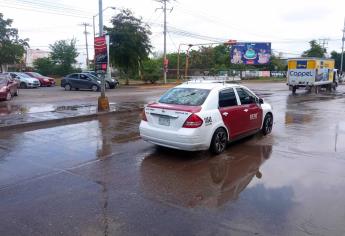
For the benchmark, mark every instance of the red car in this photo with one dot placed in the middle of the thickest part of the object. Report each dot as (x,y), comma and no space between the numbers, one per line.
(44,80)
(8,87)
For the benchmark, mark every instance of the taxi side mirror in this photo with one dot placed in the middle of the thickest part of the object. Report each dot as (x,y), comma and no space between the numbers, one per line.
(261,101)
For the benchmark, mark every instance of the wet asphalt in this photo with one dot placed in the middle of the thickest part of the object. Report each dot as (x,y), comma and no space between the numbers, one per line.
(99,178)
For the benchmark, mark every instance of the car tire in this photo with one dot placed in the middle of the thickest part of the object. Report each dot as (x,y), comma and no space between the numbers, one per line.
(267,125)
(8,96)
(94,88)
(219,141)
(23,85)
(68,87)
(294,88)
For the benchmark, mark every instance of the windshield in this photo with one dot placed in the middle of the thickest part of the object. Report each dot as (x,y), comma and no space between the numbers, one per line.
(23,75)
(3,81)
(92,73)
(185,96)
(35,74)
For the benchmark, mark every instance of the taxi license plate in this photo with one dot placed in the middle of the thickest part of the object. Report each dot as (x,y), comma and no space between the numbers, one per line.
(164,121)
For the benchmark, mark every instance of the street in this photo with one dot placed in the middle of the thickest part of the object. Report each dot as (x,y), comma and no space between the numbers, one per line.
(99,178)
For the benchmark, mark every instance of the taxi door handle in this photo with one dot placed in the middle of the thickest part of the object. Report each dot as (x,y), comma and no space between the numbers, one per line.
(245,110)
(225,114)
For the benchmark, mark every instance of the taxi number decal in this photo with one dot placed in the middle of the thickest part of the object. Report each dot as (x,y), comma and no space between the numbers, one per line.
(253,116)
(208,120)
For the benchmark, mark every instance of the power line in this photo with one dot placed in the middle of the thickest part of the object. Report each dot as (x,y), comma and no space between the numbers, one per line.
(49,6)
(42,10)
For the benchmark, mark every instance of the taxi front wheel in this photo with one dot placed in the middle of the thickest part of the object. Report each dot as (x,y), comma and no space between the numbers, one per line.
(268,123)
(219,141)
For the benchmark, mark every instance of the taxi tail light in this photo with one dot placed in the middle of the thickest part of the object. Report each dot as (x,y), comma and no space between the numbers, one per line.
(143,115)
(193,121)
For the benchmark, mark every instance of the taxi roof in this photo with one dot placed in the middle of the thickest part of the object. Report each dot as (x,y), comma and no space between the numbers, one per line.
(208,85)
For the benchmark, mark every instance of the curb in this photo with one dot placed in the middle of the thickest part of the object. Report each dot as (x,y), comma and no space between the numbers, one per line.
(63,121)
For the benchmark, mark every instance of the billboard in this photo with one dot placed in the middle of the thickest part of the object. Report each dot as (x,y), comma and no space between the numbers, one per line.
(250,53)
(101,53)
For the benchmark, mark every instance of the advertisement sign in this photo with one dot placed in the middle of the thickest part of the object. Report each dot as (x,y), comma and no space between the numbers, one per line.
(322,75)
(250,53)
(101,54)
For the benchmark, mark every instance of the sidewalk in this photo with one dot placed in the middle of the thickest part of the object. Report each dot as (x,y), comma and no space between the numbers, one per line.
(53,114)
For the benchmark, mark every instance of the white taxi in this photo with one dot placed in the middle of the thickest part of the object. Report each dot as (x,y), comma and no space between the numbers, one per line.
(205,115)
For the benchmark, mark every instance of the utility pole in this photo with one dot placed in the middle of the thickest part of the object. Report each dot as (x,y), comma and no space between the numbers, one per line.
(342,50)
(323,43)
(86,43)
(164,8)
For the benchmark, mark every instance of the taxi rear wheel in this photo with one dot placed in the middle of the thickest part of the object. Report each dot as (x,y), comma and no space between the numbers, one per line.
(219,141)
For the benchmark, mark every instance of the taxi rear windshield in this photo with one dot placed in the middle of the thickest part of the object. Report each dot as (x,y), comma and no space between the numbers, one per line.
(185,96)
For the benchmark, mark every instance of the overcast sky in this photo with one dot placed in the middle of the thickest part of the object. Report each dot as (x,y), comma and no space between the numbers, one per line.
(289,25)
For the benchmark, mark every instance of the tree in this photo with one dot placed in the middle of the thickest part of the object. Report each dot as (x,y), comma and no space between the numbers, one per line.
(276,64)
(12,48)
(315,50)
(129,42)
(64,54)
(337,58)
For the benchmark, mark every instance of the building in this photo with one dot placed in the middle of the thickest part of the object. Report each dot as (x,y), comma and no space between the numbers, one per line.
(34,54)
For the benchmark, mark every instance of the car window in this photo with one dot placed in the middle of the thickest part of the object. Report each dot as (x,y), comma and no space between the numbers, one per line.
(227,98)
(73,76)
(245,96)
(185,96)
(93,77)
(83,77)
(13,75)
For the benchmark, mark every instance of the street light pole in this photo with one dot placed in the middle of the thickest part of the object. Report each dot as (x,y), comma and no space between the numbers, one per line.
(101,34)
(165,40)
(178,62)
(103,103)
(342,50)
(93,25)
(187,60)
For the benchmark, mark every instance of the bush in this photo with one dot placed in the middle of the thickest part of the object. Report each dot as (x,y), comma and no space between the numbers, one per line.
(151,70)
(45,66)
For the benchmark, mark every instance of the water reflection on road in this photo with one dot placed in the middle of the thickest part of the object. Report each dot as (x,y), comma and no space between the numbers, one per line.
(98,177)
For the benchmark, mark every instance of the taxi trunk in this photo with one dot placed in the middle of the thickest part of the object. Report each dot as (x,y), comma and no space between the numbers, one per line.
(169,117)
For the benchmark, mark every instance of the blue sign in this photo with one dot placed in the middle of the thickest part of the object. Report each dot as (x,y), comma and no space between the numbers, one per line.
(250,53)
(301,64)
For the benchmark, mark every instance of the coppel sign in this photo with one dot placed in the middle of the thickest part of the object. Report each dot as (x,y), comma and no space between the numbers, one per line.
(250,53)
(301,73)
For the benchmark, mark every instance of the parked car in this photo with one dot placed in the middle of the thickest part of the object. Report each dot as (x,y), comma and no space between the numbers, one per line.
(24,80)
(205,115)
(44,80)
(110,83)
(8,87)
(81,81)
